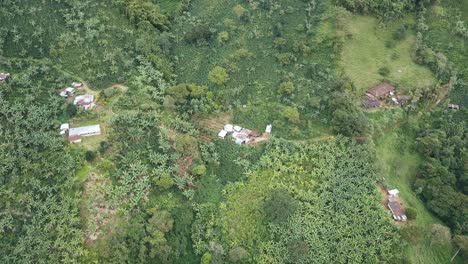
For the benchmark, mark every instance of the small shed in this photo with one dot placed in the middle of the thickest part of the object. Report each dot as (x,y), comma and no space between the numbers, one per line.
(4,76)
(76,84)
(393,192)
(237,128)
(222,134)
(268,129)
(453,106)
(381,91)
(229,128)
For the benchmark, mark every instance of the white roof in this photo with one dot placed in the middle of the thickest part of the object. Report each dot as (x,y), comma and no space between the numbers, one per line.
(76,84)
(222,133)
(237,128)
(79,131)
(268,129)
(63,94)
(229,128)
(70,89)
(84,99)
(64,126)
(393,192)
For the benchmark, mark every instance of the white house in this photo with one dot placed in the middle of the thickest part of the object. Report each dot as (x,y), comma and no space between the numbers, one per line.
(222,134)
(75,134)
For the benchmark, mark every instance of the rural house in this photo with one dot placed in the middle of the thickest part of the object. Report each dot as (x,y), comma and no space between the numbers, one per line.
(86,101)
(381,91)
(75,134)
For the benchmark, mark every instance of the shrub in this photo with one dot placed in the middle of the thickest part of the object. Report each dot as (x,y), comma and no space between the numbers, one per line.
(223,37)
(384,71)
(103,146)
(199,170)
(411,213)
(218,75)
(206,258)
(286,87)
(90,155)
(164,181)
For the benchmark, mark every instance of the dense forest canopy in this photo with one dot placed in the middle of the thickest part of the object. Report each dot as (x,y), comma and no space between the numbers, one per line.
(160,184)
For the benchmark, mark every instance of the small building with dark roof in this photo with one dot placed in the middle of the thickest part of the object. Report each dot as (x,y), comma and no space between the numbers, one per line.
(381,91)
(371,103)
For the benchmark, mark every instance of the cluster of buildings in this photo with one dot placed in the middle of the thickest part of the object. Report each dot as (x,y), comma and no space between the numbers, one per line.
(241,135)
(75,134)
(85,101)
(395,207)
(4,76)
(381,92)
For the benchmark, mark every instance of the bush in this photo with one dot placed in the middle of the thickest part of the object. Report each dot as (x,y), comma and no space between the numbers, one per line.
(199,170)
(164,181)
(103,146)
(286,88)
(411,213)
(223,37)
(218,75)
(384,71)
(291,114)
(237,254)
(90,155)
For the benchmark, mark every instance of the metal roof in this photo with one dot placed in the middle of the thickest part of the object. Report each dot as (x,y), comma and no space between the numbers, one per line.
(86,130)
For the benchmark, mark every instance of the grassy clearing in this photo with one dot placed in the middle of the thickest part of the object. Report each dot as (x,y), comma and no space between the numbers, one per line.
(366,52)
(399,166)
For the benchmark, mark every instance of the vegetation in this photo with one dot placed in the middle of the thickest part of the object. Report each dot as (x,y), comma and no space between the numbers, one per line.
(158,185)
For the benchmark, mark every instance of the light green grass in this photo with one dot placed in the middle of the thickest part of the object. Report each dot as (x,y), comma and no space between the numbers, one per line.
(366,52)
(399,168)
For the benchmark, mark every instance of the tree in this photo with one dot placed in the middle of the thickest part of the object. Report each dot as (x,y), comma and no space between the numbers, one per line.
(286,88)
(218,75)
(164,181)
(161,220)
(199,170)
(206,258)
(291,114)
(279,206)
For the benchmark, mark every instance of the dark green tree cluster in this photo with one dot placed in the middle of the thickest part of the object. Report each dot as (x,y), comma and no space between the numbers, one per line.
(442,180)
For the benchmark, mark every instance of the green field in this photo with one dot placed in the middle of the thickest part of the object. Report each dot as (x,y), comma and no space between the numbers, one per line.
(399,165)
(365,52)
